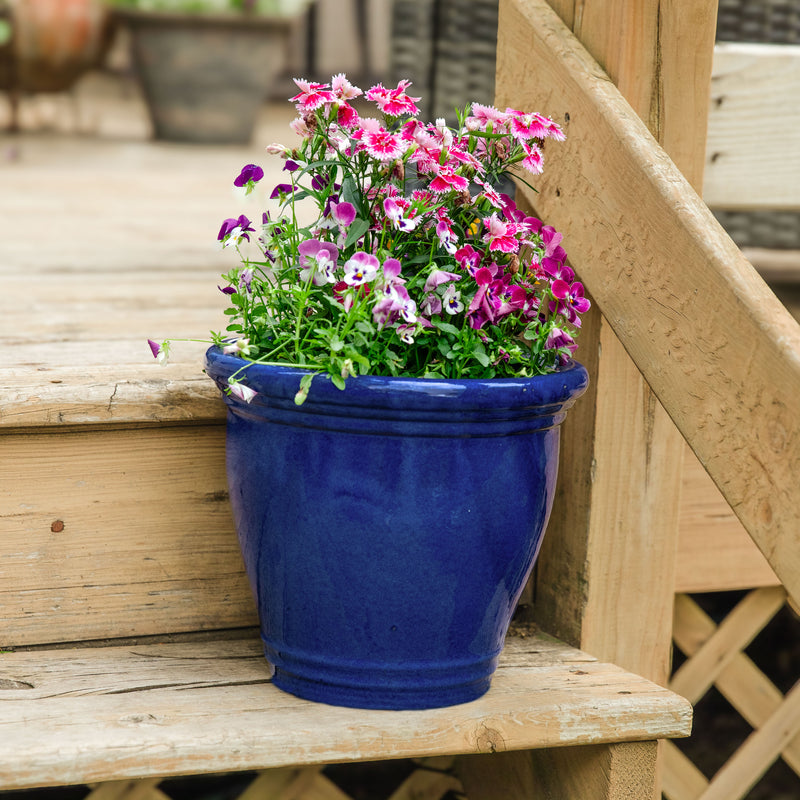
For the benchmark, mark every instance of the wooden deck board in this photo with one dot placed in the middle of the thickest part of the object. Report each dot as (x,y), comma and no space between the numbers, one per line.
(75,716)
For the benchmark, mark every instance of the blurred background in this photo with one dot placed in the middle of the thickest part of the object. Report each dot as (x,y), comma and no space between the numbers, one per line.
(123,125)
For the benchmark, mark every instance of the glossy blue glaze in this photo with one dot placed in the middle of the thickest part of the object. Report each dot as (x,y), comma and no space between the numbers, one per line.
(389,529)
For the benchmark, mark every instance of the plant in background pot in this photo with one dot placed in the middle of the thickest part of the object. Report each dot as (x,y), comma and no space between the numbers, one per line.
(396,367)
(206,66)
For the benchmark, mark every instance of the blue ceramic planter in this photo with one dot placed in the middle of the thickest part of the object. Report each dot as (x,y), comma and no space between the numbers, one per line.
(388,529)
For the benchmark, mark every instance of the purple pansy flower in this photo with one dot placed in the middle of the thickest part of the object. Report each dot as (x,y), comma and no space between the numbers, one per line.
(438,277)
(250,174)
(160,351)
(281,191)
(571,301)
(452,300)
(234,230)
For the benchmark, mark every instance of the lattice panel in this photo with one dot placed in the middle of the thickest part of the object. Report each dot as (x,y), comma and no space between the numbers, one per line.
(716,657)
(429,779)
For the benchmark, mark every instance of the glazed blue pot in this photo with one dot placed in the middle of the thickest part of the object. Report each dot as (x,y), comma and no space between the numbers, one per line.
(389,529)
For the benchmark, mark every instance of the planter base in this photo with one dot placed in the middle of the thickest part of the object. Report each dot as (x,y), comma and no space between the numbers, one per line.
(380,685)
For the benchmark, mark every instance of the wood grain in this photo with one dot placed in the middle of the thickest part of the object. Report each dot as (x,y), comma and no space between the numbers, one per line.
(612,772)
(751,164)
(114,533)
(670,282)
(86,360)
(715,553)
(74,716)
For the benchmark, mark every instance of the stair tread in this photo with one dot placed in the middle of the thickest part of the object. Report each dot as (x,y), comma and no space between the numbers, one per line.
(130,253)
(97,713)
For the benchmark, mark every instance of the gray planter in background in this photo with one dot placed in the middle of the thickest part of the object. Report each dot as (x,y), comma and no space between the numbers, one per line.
(205,78)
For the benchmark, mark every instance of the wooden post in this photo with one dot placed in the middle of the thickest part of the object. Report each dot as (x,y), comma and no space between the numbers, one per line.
(590,772)
(611,542)
(606,572)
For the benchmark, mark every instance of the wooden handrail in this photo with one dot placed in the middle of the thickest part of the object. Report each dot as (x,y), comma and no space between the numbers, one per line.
(716,346)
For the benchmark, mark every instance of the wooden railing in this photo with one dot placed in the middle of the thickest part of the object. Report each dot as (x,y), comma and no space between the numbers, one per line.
(714,344)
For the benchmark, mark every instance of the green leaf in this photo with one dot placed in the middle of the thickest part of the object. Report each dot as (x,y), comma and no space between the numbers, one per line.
(350,192)
(446,327)
(338,381)
(479,351)
(530,333)
(357,229)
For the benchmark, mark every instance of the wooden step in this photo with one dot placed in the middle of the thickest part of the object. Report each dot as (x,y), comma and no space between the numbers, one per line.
(99,713)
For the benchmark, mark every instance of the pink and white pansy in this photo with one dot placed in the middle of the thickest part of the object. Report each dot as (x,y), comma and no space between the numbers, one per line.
(360,268)
(318,261)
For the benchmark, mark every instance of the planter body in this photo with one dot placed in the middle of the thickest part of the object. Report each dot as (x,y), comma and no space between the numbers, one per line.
(205,78)
(389,529)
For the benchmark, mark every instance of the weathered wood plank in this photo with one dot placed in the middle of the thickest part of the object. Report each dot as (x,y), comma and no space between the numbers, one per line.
(55,672)
(606,567)
(670,282)
(754,127)
(73,716)
(121,203)
(114,533)
(78,353)
(715,553)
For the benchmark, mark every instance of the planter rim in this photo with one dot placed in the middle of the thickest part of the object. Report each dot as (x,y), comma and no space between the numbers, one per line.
(562,386)
(138,18)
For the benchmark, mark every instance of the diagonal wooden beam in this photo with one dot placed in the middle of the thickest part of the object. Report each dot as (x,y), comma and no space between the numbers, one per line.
(719,350)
